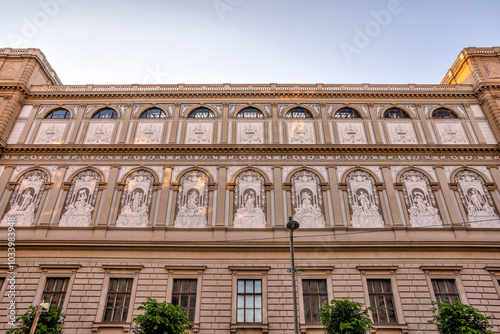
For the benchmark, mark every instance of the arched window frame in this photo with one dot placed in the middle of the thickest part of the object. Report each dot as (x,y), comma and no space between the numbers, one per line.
(100,115)
(396,113)
(347,111)
(201,113)
(244,113)
(404,139)
(58,111)
(147,114)
(243,123)
(450,114)
(299,113)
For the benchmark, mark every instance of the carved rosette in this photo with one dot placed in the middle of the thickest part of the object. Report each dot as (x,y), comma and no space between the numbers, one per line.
(420,200)
(476,199)
(364,202)
(135,203)
(192,201)
(249,201)
(307,200)
(25,199)
(80,201)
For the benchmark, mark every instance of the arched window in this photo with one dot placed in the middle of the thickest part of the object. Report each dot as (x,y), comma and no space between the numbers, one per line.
(250,113)
(298,113)
(59,114)
(201,113)
(347,113)
(395,113)
(443,113)
(153,113)
(106,113)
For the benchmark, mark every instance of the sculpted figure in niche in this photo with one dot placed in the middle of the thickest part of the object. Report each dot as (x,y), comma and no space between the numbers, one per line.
(25,199)
(307,200)
(249,200)
(364,200)
(136,200)
(192,201)
(477,200)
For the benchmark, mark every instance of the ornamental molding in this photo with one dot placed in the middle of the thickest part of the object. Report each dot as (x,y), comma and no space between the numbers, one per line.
(330,108)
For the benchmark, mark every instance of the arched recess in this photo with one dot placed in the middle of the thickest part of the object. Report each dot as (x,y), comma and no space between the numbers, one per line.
(100,130)
(347,127)
(81,197)
(49,130)
(150,125)
(200,130)
(300,127)
(193,196)
(364,197)
(475,195)
(421,198)
(26,195)
(137,194)
(450,130)
(250,130)
(400,128)
(306,198)
(250,199)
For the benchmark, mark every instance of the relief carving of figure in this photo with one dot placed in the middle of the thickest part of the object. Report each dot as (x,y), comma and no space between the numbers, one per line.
(25,199)
(364,201)
(136,200)
(420,200)
(192,201)
(307,200)
(249,200)
(477,200)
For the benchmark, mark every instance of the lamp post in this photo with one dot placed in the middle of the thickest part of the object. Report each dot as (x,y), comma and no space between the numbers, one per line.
(43,307)
(292,225)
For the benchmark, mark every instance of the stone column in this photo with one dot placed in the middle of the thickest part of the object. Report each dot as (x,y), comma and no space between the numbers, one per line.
(11,108)
(78,123)
(324,121)
(477,130)
(165,190)
(393,198)
(175,126)
(374,121)
(276,135)
(491,109)
(225,117)
(102,220)
(334,186)
(52,196)
(448,196)
(126,124)
(278,196)
(221,197)
(425,125)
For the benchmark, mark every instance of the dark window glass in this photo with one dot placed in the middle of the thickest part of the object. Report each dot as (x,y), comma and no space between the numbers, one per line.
(443,113)
(118,300)
(2,280)
(59,114)
(347,113)
(298,113)
(395,113)
(249,301)
(106,113)
(201,113)
(315,296)
(250,113)
(55,291)
(382,301)
(445,290)
(184,294)
(153,113)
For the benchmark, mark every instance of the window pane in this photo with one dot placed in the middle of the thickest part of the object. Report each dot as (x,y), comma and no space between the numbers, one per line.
(248,302)
(314,287)
(185,286)
(177,285)
(258,286)
(322,287)
(241,286)
(258,301)
(249,315)
(184,301)
(240,315)
(249,286)
(258,315)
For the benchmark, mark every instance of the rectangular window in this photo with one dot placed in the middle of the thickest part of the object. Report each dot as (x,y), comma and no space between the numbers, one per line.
(445,290)
(315,296)
(249,299)
(55,291)
(381,300)
(117,305)
(184,294)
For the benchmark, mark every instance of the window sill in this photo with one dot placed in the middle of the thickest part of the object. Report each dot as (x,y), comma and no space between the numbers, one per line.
(311,328)
(390,329)
(249,328)
(111,327)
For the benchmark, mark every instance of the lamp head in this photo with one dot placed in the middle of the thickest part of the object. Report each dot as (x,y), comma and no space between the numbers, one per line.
(292,225)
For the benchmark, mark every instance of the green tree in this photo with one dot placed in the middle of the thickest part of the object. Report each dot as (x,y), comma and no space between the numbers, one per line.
(458,318)
(345,317)
(50,322)
(161,318)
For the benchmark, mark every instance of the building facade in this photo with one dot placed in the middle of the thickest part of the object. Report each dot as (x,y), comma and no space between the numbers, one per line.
(182,193)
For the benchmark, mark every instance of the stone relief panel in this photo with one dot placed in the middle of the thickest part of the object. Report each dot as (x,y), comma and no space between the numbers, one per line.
(351,132)
(148,133)
(192,201)
(50,133)
(199,133)
(81,199)
(135,202)
(364,201)
(307,200)
(420,200)
(301,132)
(25,199)
(249,201)
(16,131)
(451,132)
(249,132)
(99,133)
(401,132)
(477,200)
(486,131)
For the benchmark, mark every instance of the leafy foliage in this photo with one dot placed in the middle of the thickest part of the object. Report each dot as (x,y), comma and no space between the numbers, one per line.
(458,318)
(161,318)
(345,317)
(50,322)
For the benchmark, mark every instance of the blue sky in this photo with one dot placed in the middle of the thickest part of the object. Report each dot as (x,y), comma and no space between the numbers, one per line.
(250,41)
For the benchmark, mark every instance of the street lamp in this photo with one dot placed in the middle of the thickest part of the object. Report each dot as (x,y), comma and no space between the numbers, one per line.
(292,225)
